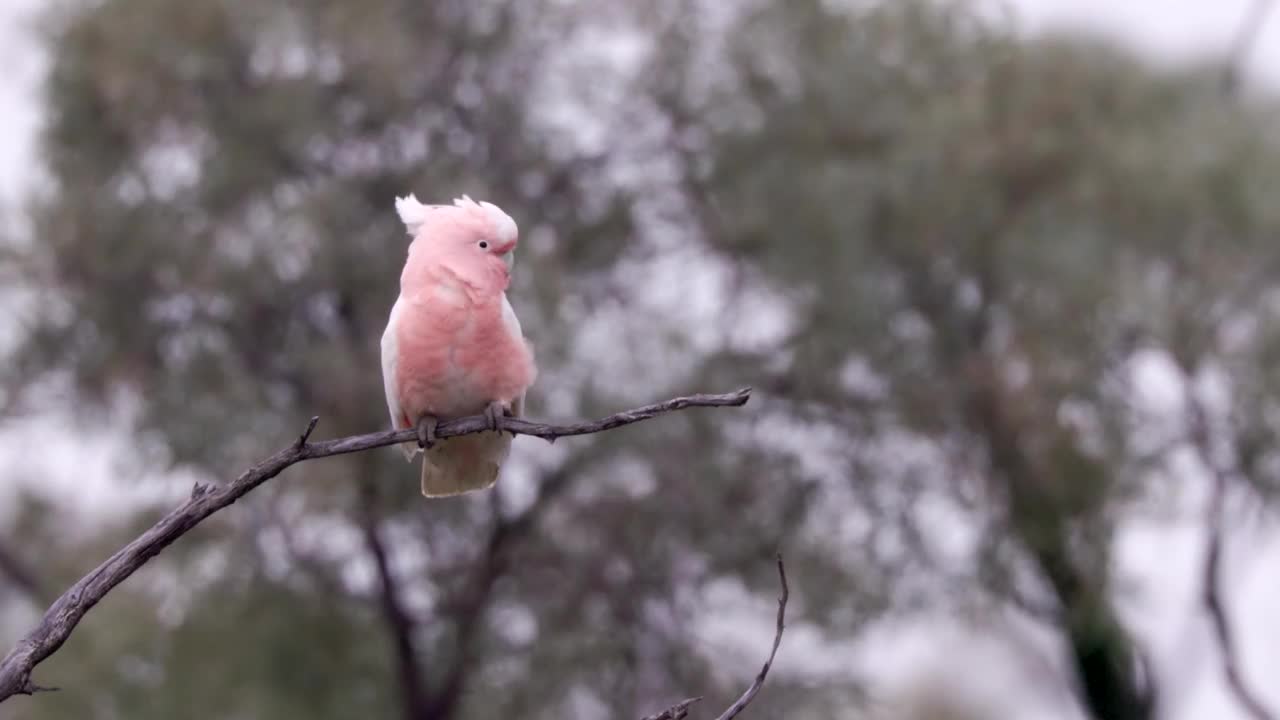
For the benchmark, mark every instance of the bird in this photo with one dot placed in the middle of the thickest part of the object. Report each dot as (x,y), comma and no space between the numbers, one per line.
(453,345)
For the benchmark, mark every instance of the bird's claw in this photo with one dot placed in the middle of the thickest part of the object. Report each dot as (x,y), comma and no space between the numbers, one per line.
(494,413)
(427,431)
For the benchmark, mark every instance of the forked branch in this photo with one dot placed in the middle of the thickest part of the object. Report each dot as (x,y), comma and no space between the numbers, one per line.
(66,612)
(681,709)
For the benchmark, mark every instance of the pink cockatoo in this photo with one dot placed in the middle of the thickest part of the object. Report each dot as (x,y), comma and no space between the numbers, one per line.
(453,346)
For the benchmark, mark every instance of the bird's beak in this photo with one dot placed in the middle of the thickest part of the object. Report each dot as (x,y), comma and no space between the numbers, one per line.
(507,252)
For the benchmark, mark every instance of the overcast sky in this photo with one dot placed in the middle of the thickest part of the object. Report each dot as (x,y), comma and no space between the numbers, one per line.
(1168,28)
(1160,558)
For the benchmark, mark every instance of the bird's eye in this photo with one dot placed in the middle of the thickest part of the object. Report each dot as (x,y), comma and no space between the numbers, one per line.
(483,244)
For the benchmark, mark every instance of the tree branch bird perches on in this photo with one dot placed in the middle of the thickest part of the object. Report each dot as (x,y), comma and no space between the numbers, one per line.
(70,608)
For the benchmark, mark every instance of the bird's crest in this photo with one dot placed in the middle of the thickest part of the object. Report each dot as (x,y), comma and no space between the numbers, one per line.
(414,215)
(502,223)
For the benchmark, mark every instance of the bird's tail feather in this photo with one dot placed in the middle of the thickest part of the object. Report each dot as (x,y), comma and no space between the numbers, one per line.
(463,464)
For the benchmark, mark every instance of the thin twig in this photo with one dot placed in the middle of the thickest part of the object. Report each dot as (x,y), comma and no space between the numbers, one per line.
(675,712)
(66,612)
(1211,573)
(1246,36)
(750,694)
(306,434)
(1212,596)
(681,709)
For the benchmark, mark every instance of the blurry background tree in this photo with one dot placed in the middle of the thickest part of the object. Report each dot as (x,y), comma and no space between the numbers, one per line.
(945,255)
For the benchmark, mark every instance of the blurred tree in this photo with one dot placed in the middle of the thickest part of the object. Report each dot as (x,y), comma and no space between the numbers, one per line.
(216,255)
(978,241)
(941,251)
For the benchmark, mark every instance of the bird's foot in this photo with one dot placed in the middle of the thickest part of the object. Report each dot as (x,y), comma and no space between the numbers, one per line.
(494,413)
(427,431)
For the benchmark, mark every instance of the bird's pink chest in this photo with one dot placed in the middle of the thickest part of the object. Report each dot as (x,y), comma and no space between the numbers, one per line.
(456,354)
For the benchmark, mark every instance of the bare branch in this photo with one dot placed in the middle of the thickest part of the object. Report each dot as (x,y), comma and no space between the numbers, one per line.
(400,626)
(472,603)
(1211,593)
(1246,36)
(1211,572)
(66,612)
(681,709)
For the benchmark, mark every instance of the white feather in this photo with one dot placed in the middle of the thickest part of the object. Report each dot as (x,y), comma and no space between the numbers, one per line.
(513,326)
(390,358)
(503,226)
(412,213)
(509,318)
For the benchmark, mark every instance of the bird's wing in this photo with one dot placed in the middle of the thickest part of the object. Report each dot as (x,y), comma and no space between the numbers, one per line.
(390,358)
(512,324)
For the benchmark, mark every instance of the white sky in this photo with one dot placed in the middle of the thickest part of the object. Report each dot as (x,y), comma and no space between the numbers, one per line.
(1160,558)
(1168,28)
